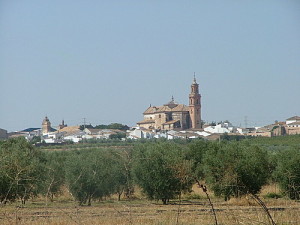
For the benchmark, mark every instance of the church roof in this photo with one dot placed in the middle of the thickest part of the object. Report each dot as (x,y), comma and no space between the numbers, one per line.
(146,121)
(69,130)
(151,110)
(171,122)
(181,107)
(294,118)
(167,108)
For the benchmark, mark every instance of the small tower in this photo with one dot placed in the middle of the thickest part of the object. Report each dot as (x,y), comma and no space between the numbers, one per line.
(195,105)
(62,125)
(46,125)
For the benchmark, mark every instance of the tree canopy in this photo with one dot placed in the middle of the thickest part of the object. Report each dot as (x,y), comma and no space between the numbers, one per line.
(161,170)
(287,172)
(233,169)
(21,170)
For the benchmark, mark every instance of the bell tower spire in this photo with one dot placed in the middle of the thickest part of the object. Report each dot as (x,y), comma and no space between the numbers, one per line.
(195,105)
(46,125)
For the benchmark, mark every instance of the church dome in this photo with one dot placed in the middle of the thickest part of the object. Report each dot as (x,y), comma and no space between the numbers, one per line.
(171,104)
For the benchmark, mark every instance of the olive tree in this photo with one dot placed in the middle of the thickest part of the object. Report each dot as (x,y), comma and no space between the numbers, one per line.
(287,172)
(235,169)
(21,170)
(161,170)
(92,175)
(55,173)
(195,153)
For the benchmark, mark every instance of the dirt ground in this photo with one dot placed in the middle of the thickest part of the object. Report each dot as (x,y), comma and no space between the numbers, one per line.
(146,212)
(191,210)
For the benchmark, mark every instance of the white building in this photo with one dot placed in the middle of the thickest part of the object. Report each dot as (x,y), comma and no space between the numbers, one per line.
(294,124)
(293,119)
(218,129)
(140,132)
(100,133)
(53,137)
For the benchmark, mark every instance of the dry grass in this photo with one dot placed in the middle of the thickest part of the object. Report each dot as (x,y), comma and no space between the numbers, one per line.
(140,211)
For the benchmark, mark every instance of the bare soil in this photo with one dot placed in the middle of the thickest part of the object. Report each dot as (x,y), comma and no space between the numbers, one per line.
(142,211)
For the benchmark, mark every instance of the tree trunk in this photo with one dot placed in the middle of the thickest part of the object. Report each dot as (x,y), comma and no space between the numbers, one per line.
(164,200)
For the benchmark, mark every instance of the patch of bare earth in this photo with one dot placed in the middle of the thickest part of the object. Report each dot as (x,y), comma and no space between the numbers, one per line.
(190,211)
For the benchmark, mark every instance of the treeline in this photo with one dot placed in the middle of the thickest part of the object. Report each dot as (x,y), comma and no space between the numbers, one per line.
(117,126)
(163,169)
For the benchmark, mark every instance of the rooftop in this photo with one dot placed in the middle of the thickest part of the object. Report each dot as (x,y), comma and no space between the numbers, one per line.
(294,118)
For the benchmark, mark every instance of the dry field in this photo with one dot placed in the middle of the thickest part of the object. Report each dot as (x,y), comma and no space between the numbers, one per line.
(140,211)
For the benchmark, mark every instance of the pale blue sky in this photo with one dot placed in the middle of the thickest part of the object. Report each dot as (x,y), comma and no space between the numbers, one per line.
(107,61)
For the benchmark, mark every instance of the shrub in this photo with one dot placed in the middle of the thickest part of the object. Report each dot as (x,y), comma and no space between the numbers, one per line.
(273,195)
(161,170)
(287,172)
(233,169)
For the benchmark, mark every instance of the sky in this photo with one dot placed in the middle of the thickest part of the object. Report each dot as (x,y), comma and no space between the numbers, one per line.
(108,60)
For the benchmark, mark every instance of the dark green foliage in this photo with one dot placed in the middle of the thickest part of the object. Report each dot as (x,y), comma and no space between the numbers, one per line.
(93,174)
(278,141)
(35,139)
(123,178)
(288,172)
(273,195)
(55,173)
(195,153)
(85,126)
(116,126)
(226,137)
(161,170)
(232,169)
(118,135)
(21,170)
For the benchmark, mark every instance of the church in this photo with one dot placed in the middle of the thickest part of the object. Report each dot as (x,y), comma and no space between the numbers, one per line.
(174,116)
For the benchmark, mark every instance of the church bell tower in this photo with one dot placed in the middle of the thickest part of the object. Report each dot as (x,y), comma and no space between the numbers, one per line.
(46,125)
(195,105)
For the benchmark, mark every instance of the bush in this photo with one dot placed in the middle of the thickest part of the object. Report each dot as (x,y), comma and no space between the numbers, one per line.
(92,175)
(193,196)
(161,170)
(287,172)
(233,169)
(195,153)
(273,195)
(21,170)
(55,173)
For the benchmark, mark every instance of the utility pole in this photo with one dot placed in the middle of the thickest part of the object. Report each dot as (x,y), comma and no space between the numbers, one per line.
(246,121)
(84,123)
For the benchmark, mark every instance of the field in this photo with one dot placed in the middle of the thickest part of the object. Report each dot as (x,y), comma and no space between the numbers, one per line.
(190,210)
(100,170)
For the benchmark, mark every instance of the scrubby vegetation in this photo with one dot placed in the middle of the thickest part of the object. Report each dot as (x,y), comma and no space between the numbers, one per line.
(163,170)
